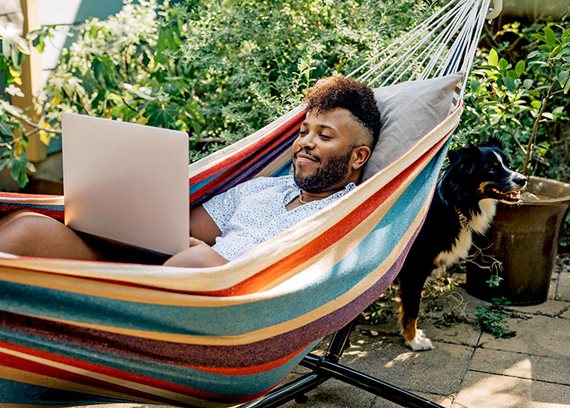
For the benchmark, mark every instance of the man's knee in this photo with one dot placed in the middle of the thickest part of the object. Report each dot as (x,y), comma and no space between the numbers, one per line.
(29,224)
(23,232)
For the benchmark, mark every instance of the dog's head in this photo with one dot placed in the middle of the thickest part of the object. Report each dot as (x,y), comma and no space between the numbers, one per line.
(487,169)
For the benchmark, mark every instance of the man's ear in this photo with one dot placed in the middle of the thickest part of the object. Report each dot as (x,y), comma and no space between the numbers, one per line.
(360,156)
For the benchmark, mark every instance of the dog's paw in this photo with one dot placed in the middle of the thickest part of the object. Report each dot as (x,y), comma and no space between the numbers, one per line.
(420,342)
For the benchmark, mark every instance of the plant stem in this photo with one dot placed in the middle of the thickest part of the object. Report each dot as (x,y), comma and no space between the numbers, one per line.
(36,126)
(535,128)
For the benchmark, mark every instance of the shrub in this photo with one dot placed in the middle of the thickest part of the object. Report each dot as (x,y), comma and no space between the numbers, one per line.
(13,136)
(520,95)
(218,70)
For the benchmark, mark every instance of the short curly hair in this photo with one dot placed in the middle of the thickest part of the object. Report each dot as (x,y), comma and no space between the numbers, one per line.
(355,96)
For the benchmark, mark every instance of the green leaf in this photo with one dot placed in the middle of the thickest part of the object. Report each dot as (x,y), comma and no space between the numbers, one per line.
(550,36)
(39,43)
(163,116)
(18,171)
(509,83)
(541,150)
(503,64)
(6,128)
(539,63)
(534,54)
(493,58)
(535,104)
(474,85)
(562,78)
(558,112)
(565,53)
(540,37)
(519,68)
(527,83)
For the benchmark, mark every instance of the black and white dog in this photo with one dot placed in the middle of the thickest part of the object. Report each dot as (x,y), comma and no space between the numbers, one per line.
(464,203)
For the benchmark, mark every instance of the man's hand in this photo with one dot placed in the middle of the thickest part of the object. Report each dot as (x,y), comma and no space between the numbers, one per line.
(198,255)
(192,242)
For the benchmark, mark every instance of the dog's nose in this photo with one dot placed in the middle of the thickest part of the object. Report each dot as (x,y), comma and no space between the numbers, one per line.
(520,180)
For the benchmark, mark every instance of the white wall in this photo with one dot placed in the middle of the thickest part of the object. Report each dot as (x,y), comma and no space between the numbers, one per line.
(66,13)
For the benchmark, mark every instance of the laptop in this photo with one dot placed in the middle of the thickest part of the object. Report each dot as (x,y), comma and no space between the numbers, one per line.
(126,182)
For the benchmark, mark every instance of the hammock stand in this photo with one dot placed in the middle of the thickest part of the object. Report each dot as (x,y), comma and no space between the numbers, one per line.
(116,331)
(328,367)
(324,368)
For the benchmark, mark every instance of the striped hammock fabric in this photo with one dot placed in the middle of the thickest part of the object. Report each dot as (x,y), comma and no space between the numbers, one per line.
(76,332)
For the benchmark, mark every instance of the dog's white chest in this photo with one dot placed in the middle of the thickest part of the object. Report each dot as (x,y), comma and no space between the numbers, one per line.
(460,249)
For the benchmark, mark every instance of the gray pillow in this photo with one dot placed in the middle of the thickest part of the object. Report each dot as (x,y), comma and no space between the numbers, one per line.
(409,111)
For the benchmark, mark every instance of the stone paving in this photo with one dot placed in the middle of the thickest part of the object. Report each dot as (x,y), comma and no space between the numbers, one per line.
(468,368)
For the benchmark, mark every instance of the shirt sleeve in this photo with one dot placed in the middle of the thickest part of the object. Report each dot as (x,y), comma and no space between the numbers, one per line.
(222,206)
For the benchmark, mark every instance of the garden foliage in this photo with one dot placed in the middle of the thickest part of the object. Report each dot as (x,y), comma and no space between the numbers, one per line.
(221,69)
(13,136)
(518,92)
(218,70)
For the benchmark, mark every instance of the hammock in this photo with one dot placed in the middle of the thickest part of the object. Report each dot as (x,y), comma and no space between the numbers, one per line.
(76,332)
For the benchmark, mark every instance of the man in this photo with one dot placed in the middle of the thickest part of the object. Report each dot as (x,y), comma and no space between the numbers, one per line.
(334,142)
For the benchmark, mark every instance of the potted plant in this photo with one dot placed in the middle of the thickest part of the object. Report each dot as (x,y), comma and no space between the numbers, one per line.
(525,105)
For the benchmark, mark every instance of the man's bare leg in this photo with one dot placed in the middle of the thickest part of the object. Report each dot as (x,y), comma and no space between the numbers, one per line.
(26,233)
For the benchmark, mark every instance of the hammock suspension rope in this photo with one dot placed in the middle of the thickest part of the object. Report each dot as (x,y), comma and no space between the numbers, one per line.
(444,43)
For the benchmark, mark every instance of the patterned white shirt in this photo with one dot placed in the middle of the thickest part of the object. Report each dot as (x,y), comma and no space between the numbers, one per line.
(254,211)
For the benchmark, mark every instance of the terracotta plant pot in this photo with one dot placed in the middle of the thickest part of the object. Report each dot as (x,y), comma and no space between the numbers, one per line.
(525,240)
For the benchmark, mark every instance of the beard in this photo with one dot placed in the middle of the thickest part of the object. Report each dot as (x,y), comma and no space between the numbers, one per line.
(330,174)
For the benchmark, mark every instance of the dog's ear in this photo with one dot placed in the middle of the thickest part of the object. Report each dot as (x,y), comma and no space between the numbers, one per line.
(493,141)
(455,155)
(461,154)
(464,159)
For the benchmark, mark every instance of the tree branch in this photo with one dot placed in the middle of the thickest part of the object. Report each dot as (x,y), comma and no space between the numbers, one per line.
(535,128)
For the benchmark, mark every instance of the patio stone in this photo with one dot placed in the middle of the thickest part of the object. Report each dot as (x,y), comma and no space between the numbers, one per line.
(563,290)
(480,390)
(547,369)
(553,285)
(433,323)
(390,328)
(538,336)
(335,394)
(387,359)
(444,401)
(458,333)
(548,308)
(471,302)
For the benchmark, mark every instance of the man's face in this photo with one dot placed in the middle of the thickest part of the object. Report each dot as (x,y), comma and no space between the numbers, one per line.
(324,152)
